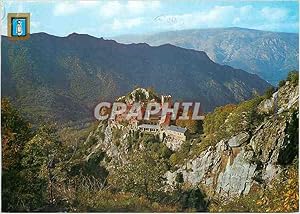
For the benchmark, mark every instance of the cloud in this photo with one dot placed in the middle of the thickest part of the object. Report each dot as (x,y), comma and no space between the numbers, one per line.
(64,8)
(248,16)
(274,14)
(112,16)
(119,24)
(129,8)
(138,7)
(88,3)
(217,16)
(67,7)
(35,24)
(110,9)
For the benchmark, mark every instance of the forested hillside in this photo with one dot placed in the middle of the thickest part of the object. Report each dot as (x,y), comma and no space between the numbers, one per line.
(62,79)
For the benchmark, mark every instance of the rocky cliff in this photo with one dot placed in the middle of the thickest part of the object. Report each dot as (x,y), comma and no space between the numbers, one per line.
(233,165)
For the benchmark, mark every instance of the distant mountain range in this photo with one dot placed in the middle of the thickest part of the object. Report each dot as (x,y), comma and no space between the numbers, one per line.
(271,55)
(63,78)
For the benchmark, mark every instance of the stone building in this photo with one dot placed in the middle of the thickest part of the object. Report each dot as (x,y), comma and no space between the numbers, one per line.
(149,128)
(176,132)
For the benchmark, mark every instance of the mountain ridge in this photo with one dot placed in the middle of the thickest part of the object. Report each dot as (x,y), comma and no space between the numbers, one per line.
(203,29)
(269,54)
(65,77)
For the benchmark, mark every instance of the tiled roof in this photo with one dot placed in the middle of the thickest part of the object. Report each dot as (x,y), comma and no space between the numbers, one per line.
(177,129)
(149,126)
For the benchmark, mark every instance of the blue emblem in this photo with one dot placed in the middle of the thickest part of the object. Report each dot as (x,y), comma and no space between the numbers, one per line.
(18,27)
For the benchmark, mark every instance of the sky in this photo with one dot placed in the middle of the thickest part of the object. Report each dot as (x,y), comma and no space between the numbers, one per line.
(113,18)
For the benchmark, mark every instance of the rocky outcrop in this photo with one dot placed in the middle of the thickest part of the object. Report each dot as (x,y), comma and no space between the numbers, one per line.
(238,140)
(237,177)
(232,166)
(106,143)
(282,100)
(223,169)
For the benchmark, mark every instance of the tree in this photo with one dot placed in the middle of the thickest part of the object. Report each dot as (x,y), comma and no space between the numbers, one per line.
(26,179)
(269,92)
(293,77)
(193,126)
(194,199)
(15,134)
(42,159)
(141,175)
(281,83)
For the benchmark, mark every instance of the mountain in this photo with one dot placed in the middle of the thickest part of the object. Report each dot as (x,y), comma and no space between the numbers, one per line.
(63,78)
(271,55)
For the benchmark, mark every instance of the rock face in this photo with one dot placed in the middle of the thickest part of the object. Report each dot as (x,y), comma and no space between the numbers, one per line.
(237,177)
(232,166)
(224,170)
(106,143)
(281,100)
(238,140)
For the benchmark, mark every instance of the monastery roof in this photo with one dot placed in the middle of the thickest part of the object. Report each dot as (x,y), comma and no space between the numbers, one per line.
(177,129)
(149,126)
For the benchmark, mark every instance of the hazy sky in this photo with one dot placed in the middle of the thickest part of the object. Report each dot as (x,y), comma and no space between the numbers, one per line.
(111,18)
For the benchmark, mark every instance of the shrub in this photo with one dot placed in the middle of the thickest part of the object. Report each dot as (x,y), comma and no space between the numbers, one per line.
(269,92)
(180,155)
(107,201)
(293,77)
(227,121)
(281,83)
(141,175)
(194,199)
(179,177)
